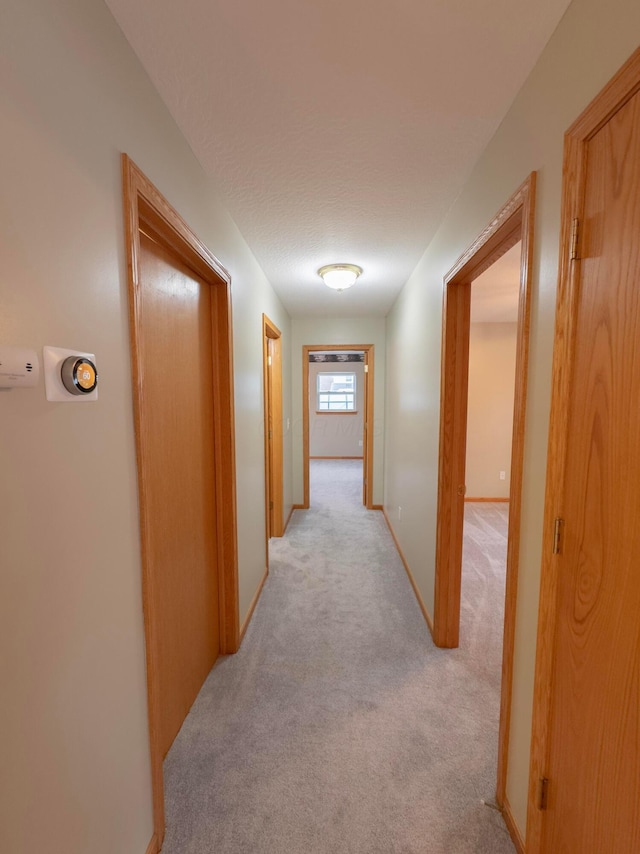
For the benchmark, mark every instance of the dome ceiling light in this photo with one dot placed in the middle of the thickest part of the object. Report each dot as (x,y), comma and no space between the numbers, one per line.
(339,276)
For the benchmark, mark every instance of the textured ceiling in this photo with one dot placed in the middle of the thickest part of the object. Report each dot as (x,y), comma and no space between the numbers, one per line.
(338,130)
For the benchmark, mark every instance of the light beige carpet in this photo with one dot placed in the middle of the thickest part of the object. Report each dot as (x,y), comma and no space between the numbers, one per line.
(339,728)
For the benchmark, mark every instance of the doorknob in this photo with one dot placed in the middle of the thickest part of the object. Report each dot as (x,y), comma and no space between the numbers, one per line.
(462,489)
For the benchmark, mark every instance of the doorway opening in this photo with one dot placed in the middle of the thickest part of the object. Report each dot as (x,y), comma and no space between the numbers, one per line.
(185,458)
(337,395)
(513,223)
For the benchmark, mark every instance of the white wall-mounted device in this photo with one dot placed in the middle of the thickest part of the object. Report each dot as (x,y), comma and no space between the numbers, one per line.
(70,375)
(19,368)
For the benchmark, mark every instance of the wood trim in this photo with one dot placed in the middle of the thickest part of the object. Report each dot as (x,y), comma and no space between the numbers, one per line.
(451,462)
(488,500)
(252,606)
(512,827)
(621,88)
(286,524)
(152,847)
(377,507)
(144,204)
(527,198)
(273,448)
(335,458)
(515,221)
(225,472)
(412,581)
(368,427)
(368,350)
(615,94)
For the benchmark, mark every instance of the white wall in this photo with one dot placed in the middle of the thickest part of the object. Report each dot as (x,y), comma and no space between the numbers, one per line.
(328,330)
(492,370)
(591,42)
(332,434)
(73,721)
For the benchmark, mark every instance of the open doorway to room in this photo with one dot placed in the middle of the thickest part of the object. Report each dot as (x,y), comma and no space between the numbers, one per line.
(337,421)
(493,332)
(512,224)
(336,426)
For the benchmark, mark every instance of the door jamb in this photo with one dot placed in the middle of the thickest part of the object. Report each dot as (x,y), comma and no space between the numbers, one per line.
(272,421)
(621,88)
(367,460)
(513,222)
(143,203)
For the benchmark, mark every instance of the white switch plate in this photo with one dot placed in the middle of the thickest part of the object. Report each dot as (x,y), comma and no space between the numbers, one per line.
(53,357)
(503,475)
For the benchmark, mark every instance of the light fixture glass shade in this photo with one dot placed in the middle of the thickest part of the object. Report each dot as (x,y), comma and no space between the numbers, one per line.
(339,276)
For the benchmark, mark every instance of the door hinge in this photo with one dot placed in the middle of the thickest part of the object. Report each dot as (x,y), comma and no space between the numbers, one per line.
(271,505)
(557,535)
(575,236)
(268,360)
(270,434)
(366,369)
(543,793)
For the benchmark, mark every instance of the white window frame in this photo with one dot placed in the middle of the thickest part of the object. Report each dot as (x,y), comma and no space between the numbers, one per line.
(336,400)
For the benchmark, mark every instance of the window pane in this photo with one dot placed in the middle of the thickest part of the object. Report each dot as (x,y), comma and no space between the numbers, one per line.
(336,392)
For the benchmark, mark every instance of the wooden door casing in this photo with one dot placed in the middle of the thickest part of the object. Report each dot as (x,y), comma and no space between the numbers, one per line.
(367,461)
(145,208)
(515,221)
(273,428)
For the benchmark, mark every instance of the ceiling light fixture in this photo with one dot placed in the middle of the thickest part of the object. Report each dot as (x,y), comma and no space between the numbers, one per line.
(339,276)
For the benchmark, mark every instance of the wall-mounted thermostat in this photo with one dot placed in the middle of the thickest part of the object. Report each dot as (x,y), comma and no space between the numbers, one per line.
(70,375)
(79,375)
(19,368)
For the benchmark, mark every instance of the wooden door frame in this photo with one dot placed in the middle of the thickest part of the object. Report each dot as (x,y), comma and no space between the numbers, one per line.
(272,396)
(623,86)
(512,223)
(143,203)
(367,445)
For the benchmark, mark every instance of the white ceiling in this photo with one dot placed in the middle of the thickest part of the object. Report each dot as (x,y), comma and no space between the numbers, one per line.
(338,130)
(495,294)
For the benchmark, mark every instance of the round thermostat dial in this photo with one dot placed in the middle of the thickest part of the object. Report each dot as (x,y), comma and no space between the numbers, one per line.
(79,375)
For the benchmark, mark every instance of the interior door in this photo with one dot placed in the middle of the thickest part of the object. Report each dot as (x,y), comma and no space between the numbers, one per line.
(270,438)
(594,761)
(365,431)
(177,455)
(272,350)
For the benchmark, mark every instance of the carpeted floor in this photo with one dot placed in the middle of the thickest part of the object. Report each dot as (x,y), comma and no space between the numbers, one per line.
(339,728)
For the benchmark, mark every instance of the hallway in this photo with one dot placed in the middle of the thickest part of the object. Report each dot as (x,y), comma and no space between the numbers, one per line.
(338,727)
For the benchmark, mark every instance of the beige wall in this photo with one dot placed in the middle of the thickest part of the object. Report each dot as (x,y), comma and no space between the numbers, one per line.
(73,721)
(332,435)
(349,330)
(591,42)
(492,370)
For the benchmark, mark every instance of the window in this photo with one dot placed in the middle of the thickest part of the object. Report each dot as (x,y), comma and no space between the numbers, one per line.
(336,392)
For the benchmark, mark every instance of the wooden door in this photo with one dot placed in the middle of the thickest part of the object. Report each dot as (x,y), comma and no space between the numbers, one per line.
(272,351)
(268,426)
(177,458)
(594,736)
(365,433)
